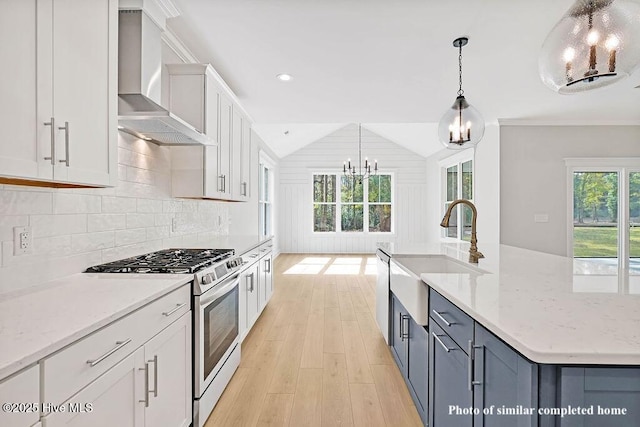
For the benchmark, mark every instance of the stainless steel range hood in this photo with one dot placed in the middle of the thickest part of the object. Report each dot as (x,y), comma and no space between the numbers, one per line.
(139,86)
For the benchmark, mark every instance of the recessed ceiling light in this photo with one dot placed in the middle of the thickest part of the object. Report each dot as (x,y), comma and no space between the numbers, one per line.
(284,77)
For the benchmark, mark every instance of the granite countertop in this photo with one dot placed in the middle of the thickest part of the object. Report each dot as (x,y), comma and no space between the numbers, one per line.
(48,317)
(540,306)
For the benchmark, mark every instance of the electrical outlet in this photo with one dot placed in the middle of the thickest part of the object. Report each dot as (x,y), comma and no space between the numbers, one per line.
(22,241)
(174,225)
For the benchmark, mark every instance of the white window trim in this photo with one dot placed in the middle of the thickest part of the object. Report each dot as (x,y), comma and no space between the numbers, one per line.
(456,159)
(365,212)
(269,163)
(621,165)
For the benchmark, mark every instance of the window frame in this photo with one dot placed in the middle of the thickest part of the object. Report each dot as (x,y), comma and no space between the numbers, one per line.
(365,205)
(266,162)
(623,166)
(456,160)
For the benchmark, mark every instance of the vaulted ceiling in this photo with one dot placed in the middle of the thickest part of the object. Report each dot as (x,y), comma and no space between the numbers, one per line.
(386,63)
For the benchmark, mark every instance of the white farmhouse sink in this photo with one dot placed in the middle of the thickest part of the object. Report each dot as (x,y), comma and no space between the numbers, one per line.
(413,293)
(419,264)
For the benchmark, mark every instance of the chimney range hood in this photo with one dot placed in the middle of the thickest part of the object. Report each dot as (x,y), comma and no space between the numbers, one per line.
(139,87)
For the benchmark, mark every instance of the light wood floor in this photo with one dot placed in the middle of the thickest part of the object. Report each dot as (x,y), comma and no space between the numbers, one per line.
(315,357)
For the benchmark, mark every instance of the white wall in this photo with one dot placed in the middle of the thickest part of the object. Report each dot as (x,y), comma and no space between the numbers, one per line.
(486,186)
(76,228)
(295,192)
(533,177)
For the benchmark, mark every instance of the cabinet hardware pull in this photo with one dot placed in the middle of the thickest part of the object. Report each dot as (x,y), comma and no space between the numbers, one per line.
(119,345)
(471,347)
(437,337)
(155,375)
(146,385)
(267,262)
(446,322)
(66,143)
(250,276)
(405,331)
(178,307)
(221,183)
(52,123)
(244,189)
(401,333)
(224,183)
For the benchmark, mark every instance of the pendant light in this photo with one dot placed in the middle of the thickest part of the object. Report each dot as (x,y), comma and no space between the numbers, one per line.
(364,169)
(462,126)
(595,44)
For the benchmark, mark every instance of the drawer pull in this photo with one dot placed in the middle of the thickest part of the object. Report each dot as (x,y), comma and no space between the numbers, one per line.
(178,307)
(446,322)
(437,337)
(119,345)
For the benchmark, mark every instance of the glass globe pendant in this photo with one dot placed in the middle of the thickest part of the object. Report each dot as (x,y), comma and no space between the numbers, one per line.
(595,44)
(461,126)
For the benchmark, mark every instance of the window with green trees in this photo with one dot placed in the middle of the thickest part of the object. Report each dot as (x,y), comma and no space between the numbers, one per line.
(345,204)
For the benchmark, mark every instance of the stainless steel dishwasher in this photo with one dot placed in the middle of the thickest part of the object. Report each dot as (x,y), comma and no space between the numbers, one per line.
(382,293)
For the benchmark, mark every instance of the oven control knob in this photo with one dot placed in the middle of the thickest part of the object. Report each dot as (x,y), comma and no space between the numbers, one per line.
(207,279)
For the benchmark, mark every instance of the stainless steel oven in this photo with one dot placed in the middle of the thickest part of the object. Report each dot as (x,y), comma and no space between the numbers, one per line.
(216,344)
(216,321)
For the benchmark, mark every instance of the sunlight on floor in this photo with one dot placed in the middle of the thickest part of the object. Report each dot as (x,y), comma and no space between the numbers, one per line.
(309,265)
(349,266)
(371,269)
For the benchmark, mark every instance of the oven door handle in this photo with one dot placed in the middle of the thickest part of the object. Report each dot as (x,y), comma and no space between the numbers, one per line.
(220,290)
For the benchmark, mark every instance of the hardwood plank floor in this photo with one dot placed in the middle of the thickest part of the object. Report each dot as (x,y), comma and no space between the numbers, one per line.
(315,357)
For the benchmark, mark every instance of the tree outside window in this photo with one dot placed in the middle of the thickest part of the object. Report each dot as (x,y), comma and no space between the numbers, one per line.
(347,207)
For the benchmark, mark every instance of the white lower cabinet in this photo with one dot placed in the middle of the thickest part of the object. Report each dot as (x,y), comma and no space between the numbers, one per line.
(22,388)
(151,387)
(266,279)
(114,399)
(168,369)
(252,283)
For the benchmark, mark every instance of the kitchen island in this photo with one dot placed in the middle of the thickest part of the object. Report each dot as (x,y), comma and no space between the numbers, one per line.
(520,329)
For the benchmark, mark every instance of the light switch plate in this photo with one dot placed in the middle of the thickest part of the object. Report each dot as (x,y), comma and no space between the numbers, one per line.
(541,218)
(22,241)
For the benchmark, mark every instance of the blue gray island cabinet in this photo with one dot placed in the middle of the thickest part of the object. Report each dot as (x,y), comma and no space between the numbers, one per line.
(476,380)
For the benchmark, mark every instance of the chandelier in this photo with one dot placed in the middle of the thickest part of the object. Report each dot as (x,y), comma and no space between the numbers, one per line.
(363,171)
(595,44)
(462,126)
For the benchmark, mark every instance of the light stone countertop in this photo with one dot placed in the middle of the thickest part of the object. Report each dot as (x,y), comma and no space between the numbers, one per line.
(537,304)
(48,317)
(44,318)
(241,243)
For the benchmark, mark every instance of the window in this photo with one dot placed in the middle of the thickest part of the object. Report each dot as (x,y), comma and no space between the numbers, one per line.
(605,213)
(458,184)
(265,197)
(342,204)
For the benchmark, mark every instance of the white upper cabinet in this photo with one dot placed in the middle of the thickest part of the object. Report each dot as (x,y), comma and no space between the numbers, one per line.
(59,105)
(21,149)
(241,152)
(218,171)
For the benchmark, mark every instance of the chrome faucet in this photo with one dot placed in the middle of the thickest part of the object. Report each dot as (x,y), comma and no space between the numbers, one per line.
(474,254)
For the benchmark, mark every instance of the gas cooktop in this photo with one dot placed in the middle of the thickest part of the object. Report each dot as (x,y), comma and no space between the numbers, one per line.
(165,261)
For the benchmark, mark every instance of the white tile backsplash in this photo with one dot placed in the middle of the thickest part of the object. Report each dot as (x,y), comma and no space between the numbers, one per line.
(76,228)
(64,203)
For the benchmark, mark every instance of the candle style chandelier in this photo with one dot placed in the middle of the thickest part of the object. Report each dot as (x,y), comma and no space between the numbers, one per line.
(363,171)
(462,126)
(595,44)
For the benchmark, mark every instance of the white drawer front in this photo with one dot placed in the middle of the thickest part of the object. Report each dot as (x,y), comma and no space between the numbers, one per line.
(23,388)
(72,368)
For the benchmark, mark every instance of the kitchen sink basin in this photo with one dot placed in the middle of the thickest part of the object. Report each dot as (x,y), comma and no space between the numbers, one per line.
(408,287)
(419,264)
